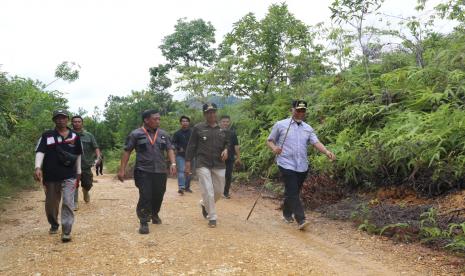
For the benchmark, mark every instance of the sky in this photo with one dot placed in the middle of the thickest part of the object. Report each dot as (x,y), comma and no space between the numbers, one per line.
(115,42)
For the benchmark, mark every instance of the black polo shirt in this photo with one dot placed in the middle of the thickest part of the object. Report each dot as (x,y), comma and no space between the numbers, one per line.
(180,140)
(52,168)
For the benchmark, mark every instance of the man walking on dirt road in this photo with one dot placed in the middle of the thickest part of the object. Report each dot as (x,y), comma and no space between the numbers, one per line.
(209,145)
(58,168)
(90,158)
(150,171)
(180,140)
(289,139)
(234,156)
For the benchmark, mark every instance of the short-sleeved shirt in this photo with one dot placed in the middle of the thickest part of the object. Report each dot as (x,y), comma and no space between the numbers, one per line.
(53,169)
(180,141)
(89,145)
(294,154)
(206,144)
(234,142)
(149,158)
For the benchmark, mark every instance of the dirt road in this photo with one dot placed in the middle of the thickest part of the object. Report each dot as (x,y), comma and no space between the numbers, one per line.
(106,241)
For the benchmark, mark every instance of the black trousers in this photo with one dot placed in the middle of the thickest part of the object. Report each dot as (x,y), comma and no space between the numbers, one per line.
(99,168)
(152,187)
(228,175)
(293,182)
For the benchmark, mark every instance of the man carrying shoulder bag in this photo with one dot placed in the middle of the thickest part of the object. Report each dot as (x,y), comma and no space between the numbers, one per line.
(58,168)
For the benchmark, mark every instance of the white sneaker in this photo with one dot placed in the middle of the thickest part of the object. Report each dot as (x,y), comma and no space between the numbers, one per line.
(303,225)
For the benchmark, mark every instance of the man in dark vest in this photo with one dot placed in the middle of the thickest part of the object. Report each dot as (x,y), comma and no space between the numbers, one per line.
(58,168)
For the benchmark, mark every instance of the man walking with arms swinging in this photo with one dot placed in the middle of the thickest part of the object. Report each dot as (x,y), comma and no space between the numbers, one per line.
(289,139)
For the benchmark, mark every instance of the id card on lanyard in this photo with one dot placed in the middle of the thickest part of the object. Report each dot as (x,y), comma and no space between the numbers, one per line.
(150,138)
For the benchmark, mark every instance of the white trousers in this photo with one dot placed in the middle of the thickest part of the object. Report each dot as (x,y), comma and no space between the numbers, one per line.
(212,188)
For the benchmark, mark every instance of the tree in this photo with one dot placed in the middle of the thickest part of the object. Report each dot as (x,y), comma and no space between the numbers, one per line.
(68,71)
(354,13)
(259,57)
(189,51)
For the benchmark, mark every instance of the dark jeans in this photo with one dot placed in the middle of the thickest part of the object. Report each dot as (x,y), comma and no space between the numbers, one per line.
(292,185)
(152,187)
(228,175)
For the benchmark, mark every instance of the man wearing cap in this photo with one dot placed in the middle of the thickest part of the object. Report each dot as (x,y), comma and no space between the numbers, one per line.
(150,143)
(58,168)
(289,139)
(91,157)
(180,140)
(209,146)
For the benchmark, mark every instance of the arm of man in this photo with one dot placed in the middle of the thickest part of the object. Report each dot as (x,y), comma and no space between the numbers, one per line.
(272,140)
(191,150)
(321,148)
(38,165)
(123,164)
(171,156)
(227,144)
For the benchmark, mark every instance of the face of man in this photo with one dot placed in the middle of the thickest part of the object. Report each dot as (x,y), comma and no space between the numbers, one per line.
(185,123)
(299,114)
(225,123)
(210,116)
(61,121)
(153,121)
(77,124)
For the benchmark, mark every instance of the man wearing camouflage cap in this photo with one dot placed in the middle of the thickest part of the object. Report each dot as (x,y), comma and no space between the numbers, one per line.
(58,168)
(289,140)
(209,145)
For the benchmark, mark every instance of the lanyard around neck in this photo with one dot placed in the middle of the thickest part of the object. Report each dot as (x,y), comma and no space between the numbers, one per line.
(150,138)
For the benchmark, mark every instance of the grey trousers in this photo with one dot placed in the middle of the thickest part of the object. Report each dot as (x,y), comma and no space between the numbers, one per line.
(54,190)
(212,187)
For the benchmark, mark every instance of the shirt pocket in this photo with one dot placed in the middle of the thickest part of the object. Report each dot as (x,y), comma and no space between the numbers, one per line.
(141,145)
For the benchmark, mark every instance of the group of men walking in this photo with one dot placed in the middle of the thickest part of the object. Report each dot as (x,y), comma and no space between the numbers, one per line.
(209,148)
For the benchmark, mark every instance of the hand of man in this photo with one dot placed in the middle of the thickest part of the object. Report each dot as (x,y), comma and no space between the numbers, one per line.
(78,180)
(277,150)
(173,169)
(224,155)
(120,176)
(187,168)
(330,155)
(237,162)
(38,175)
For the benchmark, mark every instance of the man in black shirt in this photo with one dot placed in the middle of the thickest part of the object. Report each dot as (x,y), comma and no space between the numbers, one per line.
(58,168)
(233,154)
(180,140)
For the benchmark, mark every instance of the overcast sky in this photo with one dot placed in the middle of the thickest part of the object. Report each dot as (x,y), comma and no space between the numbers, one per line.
(116,41)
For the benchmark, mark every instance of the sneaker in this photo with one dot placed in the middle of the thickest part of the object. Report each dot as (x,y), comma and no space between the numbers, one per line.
(53,230)
(86,195)
(303,225)
(180,192)
(212,223)
(76,206)
(204,211)
(288,219)
(144,228)
(156,219)
(65,237)
(227,196)
(188,190)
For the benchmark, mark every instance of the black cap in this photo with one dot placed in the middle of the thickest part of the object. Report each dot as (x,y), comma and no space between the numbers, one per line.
(299,104)
(60,112)
(209,106)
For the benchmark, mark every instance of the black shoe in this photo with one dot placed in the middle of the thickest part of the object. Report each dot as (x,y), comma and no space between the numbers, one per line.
(188,190)
(227,196)
(303,225)
(180,192)
(53,230)
(144,228)
(156,219)
(288,219)
(204,212)
(212,223)
(65,237)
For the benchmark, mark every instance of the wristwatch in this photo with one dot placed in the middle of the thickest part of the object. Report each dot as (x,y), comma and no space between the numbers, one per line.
(173,164)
